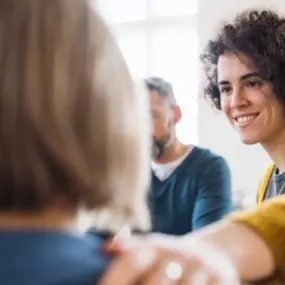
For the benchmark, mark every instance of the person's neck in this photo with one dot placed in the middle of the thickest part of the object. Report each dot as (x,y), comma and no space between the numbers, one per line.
(173,152)
(52,220)
(275,147)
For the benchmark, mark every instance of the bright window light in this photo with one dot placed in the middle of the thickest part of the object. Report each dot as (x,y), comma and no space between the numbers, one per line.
(159,38)
(170,8)
(120,11)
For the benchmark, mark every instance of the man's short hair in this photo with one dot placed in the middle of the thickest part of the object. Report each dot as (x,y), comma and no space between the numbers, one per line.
(162,87)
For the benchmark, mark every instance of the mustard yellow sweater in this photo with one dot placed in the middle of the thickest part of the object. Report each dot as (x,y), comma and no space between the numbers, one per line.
(268,220)
(263,185)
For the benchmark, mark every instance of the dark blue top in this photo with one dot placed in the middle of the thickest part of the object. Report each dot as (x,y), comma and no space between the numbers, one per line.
(196,194)
(49,258)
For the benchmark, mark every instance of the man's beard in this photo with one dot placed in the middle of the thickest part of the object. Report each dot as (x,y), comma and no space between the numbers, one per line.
(159,147)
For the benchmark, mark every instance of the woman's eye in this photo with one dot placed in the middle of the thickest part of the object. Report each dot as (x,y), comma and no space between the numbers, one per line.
(254,83)
(225,90)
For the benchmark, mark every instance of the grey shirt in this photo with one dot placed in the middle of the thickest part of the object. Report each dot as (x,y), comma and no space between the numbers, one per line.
(276,185)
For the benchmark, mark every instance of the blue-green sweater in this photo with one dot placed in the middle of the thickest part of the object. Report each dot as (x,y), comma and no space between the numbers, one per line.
(50,258)
(196,194)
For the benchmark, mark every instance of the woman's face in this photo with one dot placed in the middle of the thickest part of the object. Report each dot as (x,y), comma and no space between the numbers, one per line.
(248,101)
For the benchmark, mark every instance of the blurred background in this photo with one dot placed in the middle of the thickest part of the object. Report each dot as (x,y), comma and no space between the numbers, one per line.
(164,38)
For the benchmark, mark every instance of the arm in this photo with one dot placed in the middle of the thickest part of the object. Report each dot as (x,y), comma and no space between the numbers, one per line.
(267,224)
(214,197)
(253,240)
(252,243)
(247,250)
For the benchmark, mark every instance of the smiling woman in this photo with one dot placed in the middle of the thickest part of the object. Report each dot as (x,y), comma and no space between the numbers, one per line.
(245,79)
(247,100)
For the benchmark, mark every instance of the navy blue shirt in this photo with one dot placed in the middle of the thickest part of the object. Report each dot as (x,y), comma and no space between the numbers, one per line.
(50,258)
(196,194)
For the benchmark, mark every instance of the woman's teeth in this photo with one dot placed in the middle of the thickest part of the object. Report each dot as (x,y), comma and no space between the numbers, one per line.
(245,120)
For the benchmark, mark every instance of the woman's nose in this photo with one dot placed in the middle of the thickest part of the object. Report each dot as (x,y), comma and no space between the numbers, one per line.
(238,99)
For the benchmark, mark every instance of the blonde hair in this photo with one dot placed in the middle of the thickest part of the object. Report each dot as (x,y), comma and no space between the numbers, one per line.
(71,123)
(112,218)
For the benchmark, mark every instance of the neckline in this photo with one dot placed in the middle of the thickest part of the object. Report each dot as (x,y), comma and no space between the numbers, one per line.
(190,155)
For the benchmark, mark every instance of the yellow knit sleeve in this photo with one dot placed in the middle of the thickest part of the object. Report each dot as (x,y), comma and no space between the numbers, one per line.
(268,221)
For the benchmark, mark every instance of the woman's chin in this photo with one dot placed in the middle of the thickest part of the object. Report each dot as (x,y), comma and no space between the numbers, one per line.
(250,136)
(249,140)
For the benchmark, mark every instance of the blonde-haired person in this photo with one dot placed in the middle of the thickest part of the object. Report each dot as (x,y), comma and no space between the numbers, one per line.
(74,135)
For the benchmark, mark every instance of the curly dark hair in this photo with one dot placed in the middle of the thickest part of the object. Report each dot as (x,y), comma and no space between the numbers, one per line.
(260,35)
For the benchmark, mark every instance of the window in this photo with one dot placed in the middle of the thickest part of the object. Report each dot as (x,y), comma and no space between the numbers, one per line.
(119,11)
(168,8)
(173,57)
(159,38)
(134,46)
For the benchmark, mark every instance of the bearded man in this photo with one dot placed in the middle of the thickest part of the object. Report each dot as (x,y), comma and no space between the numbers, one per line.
(191,186)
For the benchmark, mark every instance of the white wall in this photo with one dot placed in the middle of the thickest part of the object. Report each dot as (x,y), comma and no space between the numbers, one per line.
(248,163)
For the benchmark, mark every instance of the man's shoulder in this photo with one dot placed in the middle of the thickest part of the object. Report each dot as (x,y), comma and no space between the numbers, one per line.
(207,167)
(201,163)
(207,157)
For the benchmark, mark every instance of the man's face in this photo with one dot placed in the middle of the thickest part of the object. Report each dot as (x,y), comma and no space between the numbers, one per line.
(163,122)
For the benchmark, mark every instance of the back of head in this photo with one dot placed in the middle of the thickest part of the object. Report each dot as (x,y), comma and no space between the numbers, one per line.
(70,121)
(260,35)
(162,87)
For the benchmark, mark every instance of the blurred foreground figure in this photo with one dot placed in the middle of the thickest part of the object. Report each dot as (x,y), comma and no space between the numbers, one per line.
(66,140)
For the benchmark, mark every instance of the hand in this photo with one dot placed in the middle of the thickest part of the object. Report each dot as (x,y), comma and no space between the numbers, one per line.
(160,259)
